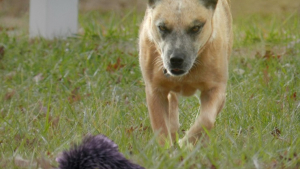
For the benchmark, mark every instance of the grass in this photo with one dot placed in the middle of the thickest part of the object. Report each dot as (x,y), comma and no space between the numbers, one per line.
(54,92)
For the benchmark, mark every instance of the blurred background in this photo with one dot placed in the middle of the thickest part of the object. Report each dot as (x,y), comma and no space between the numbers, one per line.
(12,12)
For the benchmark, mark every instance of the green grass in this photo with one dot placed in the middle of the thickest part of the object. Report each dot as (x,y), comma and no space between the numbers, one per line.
(52,93)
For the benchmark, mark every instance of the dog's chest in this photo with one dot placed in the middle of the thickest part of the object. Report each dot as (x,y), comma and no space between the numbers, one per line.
(184,86)
(184,89)
(187,90)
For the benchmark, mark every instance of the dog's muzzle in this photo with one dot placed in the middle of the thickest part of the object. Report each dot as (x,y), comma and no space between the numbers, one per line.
(176,64)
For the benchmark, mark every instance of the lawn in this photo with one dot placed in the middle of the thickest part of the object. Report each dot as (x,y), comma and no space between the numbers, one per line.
(53,93)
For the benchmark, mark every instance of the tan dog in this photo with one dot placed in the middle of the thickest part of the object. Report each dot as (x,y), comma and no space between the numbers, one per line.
(184,47)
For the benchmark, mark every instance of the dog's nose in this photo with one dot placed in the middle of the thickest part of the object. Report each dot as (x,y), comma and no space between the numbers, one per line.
(176,60)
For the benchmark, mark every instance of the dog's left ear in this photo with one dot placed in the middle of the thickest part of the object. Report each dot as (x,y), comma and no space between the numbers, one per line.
(210,4)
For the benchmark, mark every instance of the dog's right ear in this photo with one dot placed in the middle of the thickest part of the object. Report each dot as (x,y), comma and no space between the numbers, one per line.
(151,3)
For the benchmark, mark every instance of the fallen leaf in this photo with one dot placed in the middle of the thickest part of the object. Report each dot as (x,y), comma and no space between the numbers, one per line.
(9,95)
(268,54)
(116,66)
(43,108)
(31,142)
(75,96)
(250,129)
(266,75)
(132,54)
(252,96)
(54,121)
(2,114)
(2,52)
(284,156)
(213,166)
(44,164)
(84,71)
(140,128)
(10,75)
(20,162)
(6,28)
(119,80)
(294,96)
(4,163)
(143,128)
(276,132)
(126,100)
(22,108)
(38,77)
(81,31)
(38,163)
(129,130)
(239,71)
(274,164)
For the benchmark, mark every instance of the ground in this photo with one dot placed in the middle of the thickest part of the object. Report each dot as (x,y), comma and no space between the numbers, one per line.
(52,93)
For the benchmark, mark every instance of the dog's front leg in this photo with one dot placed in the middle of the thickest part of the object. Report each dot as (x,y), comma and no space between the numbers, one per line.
(212,101)
(157,102)
(173,115)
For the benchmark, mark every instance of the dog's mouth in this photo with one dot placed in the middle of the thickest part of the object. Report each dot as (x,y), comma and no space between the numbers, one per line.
(177,72)
(174,72)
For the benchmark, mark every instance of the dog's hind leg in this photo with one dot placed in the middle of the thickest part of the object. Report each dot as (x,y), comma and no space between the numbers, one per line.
(212,101)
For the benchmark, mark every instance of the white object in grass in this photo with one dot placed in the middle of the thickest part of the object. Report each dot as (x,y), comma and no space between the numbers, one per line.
(53,18)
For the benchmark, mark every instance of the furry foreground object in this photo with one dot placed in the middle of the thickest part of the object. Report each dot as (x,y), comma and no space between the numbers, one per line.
(95,152)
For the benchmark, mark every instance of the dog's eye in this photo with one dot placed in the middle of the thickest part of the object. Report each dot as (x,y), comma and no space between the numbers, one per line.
(195,29)
(163,28)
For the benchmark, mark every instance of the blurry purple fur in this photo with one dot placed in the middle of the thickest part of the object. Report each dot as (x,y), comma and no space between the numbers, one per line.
(95,152)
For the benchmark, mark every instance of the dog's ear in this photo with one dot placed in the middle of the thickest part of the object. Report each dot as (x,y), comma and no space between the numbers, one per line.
(211,4)
(151,3)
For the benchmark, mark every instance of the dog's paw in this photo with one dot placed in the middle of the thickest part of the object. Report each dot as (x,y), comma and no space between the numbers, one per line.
(184,143)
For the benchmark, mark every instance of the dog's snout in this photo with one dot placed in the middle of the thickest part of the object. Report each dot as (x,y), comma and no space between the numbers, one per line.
(176,60)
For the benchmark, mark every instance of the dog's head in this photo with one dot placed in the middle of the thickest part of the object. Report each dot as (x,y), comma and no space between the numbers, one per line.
(180,29)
